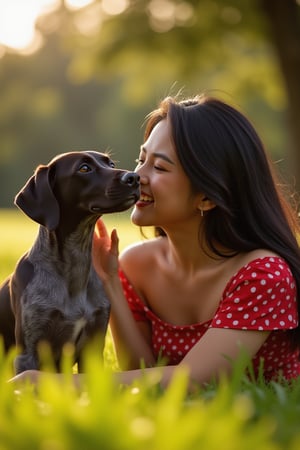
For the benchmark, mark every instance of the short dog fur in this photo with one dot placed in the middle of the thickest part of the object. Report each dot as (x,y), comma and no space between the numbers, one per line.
(54,294)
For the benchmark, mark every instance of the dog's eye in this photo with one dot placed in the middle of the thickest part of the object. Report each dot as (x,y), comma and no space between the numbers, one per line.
(84,168)
(111,164)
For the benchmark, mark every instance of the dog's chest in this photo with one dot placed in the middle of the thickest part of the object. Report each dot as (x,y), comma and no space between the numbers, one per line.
(78,327)
(80,304)
(84,301)
(84,317)
(63,302)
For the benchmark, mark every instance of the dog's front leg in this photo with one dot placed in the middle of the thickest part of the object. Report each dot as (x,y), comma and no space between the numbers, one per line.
(7,319)
(28,358)
(31,326)
(26,361)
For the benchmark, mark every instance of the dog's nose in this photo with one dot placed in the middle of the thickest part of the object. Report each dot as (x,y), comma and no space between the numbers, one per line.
(130,179)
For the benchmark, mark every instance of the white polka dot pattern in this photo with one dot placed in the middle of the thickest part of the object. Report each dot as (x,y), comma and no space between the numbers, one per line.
(260,296)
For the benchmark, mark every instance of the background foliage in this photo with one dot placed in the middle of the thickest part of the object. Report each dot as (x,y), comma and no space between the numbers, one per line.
(99,73)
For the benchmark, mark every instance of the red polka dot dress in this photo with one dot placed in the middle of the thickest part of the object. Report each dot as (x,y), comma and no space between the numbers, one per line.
(260,296)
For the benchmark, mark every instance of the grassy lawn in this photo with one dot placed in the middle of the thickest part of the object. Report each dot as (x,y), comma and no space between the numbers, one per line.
(235,415)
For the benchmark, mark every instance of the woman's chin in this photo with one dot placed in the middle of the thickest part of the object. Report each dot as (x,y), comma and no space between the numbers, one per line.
(136,219)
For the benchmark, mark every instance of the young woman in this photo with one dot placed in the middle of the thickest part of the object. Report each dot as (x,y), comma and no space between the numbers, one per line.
(222,275)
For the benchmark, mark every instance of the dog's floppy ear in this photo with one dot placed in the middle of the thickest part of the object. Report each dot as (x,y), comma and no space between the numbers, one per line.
(36,199)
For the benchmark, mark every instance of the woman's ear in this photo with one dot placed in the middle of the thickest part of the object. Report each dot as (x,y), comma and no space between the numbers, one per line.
(205,204)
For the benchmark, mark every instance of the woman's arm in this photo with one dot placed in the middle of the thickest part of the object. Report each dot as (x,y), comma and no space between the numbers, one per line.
(132,340)
(212,357)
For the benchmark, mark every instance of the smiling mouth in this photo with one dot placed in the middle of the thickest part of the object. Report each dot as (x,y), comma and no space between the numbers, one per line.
(145,199)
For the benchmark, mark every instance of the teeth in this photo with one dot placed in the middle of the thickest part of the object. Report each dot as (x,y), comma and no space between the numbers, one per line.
(145,198)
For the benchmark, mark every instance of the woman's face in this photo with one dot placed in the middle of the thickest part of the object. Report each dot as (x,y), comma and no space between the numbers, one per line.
(166,197)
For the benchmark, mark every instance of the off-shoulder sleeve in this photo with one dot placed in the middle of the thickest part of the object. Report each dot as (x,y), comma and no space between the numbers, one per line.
(135,304)
(262,296)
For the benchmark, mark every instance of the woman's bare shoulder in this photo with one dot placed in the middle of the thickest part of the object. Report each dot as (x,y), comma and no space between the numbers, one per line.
(140,254)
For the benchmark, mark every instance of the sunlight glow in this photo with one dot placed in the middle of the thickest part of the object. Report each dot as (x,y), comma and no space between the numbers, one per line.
(77,4)
(90,20)
(162,15)
(165,14)
(114,7)
(18,22)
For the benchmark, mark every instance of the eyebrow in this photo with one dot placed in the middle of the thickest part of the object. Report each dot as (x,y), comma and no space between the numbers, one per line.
(158,155)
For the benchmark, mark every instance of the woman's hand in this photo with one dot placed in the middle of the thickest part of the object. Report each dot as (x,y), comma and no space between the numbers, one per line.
(33,377)
(28,376)
(105,252)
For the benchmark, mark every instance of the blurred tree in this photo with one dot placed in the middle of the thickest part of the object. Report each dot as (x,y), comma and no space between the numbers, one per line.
(42,114)
(228,44)
(284,22)
(103,68)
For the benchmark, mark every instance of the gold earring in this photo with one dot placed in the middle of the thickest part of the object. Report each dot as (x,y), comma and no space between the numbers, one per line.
(201,212)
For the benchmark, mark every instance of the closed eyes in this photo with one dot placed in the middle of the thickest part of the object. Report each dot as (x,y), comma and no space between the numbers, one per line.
(140,162)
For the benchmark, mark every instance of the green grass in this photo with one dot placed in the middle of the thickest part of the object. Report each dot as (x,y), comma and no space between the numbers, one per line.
(238,414)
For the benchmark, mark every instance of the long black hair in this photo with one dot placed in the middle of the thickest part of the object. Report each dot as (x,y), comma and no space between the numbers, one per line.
(225,159)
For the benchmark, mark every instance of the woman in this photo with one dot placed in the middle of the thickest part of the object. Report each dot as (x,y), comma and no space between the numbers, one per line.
(222,275)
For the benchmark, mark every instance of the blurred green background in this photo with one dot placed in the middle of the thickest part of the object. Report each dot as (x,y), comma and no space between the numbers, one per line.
(94,69)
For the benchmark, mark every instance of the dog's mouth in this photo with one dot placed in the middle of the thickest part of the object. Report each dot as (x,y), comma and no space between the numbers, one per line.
(122,205)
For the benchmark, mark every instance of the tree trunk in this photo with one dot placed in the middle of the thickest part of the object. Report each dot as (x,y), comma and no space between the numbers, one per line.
(284,21)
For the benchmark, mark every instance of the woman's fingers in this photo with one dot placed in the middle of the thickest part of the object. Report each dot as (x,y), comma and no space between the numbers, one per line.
(100,229)
(114,248)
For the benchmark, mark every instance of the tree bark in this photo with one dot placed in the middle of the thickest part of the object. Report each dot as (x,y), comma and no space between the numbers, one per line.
(284,21)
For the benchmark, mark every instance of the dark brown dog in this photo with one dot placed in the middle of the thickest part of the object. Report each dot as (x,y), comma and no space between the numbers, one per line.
(54,294)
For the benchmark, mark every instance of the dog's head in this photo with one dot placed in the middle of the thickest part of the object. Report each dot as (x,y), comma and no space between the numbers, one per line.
(83,183)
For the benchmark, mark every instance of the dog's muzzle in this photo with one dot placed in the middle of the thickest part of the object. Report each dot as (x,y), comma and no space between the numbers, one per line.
(130,179)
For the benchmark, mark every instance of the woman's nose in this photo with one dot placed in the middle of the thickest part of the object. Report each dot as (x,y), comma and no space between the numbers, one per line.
(143,177)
